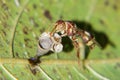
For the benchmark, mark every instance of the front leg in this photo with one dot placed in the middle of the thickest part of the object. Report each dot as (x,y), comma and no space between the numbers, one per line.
(79,46)
(76,45)
(53,31)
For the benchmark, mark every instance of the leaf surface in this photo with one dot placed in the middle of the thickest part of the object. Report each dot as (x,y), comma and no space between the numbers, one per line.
(22,22)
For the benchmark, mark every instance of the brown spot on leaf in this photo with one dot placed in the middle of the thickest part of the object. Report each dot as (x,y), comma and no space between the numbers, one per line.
(36,24)
(3,32)
(1,44)
(117,66)
(42,30)
(1,72)
(6,11)
(17,54)
(22,73)
(36,37)
(25,30)
(34,71)
(4,6)
(17,13)
(54,71)
(27,42)
(5,25)
(101,22)
(30,46)
(34,6)
(115,7)
(108,54)
(26,39)
(47,14)
(20,22)
(106,2)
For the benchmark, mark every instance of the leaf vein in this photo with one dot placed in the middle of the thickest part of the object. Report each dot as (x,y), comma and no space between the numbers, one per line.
(8,72)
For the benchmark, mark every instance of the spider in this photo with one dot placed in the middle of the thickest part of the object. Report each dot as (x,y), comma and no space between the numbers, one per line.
(68,28)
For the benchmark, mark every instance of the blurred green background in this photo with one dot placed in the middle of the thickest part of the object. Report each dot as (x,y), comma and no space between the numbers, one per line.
(22,22)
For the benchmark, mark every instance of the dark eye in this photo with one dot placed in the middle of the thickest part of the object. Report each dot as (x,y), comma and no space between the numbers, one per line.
(60,21)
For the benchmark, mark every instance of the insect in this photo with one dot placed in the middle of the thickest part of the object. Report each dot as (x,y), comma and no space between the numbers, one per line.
(47,43)
(68,28)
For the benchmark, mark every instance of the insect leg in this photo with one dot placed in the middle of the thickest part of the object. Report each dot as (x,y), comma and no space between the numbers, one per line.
(53,30)
(80,51)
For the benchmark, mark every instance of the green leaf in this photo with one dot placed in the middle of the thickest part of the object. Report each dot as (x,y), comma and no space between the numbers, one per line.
(22,22)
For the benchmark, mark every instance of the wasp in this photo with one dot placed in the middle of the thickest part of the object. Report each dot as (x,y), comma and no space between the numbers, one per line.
(47,43)
(68,28)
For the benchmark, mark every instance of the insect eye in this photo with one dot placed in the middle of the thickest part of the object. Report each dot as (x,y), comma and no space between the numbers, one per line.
(87,34)
(59,21)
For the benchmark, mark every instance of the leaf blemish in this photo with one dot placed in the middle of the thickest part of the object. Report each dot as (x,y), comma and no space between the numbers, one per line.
(27,40)
(22,73)
(17,13)
(101,22)
(5,24)
(25,30)
(115,7)
(34,6)
(4,6)
(117,66)
(36,37)
(106,2)
(54,71)
(4,32)
(17,54)
(108,54)
(33,70)
(42,30)
(47,14)
(1,73)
